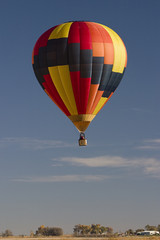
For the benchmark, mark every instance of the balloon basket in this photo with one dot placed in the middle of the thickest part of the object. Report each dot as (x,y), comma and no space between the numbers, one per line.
(82,140)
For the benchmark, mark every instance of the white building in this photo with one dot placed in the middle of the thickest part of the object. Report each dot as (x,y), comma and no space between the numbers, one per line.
(148,233)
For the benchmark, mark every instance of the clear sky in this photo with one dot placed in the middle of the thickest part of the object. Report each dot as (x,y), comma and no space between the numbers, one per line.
(45,177)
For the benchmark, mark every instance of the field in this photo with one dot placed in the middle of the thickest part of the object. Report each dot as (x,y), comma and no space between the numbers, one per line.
(84,238)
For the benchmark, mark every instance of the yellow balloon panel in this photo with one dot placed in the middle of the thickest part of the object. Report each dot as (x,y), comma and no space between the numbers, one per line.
(119,51)
(56,78)
(61,31)
(67,86)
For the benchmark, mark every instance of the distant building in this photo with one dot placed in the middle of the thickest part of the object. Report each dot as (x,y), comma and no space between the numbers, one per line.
(148,233)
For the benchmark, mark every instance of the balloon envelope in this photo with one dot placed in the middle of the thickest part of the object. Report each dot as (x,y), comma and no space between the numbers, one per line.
(79,65)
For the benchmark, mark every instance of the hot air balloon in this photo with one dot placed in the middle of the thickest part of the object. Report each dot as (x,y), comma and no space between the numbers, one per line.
(79,65)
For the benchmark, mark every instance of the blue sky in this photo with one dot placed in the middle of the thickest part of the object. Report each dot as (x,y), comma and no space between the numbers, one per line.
(45,177)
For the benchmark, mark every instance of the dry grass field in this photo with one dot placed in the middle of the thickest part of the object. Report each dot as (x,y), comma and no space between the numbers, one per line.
(84,238)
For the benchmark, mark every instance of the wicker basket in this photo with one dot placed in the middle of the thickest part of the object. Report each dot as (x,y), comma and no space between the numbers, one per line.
(82,142)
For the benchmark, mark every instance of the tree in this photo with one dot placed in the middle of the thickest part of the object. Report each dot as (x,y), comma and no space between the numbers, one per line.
(150,228)
(91,229)
(129,232)
(103,229)
(158,228)
(139,230)
(7,233)
(76,229)
(49,231)
(95,228)
(109,230)
(85,229)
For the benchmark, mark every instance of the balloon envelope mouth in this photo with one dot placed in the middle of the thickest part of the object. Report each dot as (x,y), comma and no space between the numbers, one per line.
(82,121)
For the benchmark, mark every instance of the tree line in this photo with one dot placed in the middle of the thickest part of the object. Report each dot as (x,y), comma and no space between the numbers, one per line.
(97,229)
(82,230)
